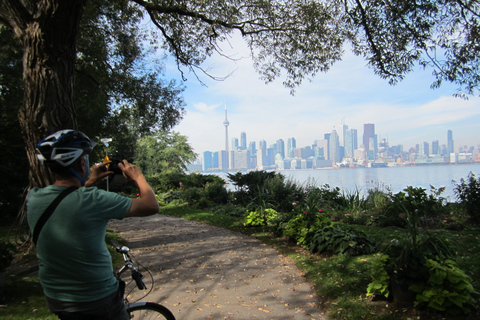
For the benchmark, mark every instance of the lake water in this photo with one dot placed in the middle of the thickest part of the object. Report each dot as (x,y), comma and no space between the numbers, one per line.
(395,178)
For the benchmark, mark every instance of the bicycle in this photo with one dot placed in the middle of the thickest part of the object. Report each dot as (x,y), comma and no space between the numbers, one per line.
(139,309)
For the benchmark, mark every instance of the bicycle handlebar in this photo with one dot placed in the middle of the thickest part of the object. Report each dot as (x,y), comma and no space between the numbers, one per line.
(136,275)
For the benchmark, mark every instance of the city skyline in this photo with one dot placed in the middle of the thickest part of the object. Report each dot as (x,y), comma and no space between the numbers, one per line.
(408,113)
(337,149)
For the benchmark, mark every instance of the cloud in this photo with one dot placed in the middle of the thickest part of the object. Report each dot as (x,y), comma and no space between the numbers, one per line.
(349,93)
(204,107)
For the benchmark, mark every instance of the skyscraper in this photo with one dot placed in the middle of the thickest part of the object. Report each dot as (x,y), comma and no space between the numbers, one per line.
(334,147)
(280,148)
(369,140)
(291,145)
(450,147)
(243,141)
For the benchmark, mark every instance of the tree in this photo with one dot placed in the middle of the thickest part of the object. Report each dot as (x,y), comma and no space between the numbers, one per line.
(165,152)
(297,37)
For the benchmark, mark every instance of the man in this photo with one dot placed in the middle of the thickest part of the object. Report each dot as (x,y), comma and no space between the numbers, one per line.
(76,272)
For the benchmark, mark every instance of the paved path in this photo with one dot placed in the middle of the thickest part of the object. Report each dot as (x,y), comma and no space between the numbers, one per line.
(205,272)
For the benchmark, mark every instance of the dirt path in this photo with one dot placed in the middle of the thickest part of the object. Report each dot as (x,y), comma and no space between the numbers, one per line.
(205,272)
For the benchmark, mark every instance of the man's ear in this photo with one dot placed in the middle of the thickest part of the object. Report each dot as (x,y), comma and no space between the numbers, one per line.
(83,164)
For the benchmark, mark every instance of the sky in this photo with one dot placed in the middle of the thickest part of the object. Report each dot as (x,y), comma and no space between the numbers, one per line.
(350,93)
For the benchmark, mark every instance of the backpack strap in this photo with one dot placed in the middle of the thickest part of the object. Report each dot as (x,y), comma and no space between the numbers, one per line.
(48,212)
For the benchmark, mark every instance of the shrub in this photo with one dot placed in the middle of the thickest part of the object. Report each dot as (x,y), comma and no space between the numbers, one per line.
(192,195)
(229,209)
(216,192)
(342,240)
(430,207)
(296,229)
(467,193)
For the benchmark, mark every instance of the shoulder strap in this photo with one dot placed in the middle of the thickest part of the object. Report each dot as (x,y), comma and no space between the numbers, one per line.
(48,212)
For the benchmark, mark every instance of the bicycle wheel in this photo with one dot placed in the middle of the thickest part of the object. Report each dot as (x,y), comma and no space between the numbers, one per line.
(149,310)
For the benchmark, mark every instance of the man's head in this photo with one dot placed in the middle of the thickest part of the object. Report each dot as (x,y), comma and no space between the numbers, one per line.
(65,152)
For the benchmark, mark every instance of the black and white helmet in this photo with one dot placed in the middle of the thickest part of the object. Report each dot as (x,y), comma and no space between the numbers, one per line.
(64,148)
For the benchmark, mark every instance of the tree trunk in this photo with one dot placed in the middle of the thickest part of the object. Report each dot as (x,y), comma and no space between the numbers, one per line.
(49,42)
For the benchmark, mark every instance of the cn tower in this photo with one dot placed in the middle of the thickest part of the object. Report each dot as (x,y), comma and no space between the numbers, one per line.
(226,123)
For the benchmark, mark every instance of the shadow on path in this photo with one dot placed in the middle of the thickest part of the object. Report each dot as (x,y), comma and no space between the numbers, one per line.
(205,272)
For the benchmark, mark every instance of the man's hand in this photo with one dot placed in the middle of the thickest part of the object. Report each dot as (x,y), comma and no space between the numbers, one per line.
(130,171)
(99,172)
(147,204)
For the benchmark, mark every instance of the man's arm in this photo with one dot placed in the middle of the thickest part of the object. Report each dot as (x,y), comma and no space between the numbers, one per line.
(147,204)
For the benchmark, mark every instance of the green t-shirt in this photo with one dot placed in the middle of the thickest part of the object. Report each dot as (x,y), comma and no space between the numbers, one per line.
(75,264)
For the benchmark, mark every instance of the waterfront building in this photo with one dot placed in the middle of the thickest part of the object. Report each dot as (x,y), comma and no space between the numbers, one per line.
(207,163)
(435,148)
(450,146)
(223,163)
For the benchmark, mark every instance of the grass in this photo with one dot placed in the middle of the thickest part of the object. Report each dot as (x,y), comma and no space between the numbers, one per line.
(340,282)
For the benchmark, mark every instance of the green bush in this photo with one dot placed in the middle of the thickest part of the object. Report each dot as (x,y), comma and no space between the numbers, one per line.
(216,193)
(192,195)
(430,207)
(342,240)
(296,229)
(467,193)
(229,209)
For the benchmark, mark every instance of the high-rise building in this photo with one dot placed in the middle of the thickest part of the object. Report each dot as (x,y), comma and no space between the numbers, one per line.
(207,161)
(243,141)
(368,132)
(291,145)
(235,145)
(341,131)
(450,146)
(223,162)
(426,149)
(370,140)
(322,149)
(354,133)
(280,148)
(252,147)
(334,147)
(435,148)
(262,144)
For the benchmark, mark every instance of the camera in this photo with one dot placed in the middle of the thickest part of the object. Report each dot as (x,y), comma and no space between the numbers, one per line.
(114,167)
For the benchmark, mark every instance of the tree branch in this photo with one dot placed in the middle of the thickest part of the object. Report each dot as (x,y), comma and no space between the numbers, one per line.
(376,52)
(16,15)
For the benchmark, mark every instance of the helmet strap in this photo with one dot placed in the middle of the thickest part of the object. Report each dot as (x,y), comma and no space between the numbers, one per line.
(82,181)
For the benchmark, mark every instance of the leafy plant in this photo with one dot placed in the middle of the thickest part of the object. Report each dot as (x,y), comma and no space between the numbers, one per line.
(342,240)
(260,217)
(447,289)
(296,229)
(381,280)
